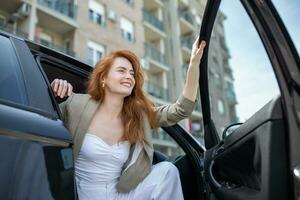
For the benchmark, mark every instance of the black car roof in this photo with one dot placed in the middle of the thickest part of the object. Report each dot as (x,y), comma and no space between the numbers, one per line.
(50,52)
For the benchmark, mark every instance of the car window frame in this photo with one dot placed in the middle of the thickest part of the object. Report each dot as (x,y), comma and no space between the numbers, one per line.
(284,76)
(59,63)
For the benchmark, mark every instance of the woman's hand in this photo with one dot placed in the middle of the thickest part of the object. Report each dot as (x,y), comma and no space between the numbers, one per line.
(61,88)
(197,52)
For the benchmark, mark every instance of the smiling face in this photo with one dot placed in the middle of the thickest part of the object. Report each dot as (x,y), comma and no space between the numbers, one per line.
(120,78)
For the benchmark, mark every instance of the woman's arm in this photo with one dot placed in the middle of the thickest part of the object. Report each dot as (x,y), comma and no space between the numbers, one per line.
(191,85)
(168,115)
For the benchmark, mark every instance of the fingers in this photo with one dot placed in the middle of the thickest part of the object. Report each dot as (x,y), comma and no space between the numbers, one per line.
(54,86)
(61,88)
(70,89)
(202,44)
(201,47)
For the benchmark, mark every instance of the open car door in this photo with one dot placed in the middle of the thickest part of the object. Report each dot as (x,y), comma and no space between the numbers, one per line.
(258,156)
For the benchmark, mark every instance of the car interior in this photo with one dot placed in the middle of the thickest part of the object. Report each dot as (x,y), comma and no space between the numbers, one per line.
(248,164)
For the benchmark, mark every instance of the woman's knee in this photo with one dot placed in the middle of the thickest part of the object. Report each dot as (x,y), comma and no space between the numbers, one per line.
(168,167)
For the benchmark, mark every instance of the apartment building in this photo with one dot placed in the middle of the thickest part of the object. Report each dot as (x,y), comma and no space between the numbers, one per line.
(160,32)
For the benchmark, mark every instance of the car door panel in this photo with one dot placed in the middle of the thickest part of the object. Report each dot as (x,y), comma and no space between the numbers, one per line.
(36,153)
(248,164)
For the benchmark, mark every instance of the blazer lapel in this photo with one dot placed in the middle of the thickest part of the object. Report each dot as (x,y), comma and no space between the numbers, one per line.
(85,119)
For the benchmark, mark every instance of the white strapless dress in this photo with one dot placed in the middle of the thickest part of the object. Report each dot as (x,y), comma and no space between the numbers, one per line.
(98,168)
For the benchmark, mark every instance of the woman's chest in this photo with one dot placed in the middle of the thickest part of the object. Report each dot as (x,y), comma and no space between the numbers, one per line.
(110,131)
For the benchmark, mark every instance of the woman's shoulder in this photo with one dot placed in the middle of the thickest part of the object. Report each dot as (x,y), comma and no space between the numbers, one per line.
(79,99)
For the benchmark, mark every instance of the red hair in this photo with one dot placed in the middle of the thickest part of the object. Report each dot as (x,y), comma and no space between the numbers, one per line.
(136,106)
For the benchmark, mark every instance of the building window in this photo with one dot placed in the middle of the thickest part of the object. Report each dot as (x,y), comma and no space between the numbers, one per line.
(127,29)
(95,52)
(96,12)
(220,106)
(129,2)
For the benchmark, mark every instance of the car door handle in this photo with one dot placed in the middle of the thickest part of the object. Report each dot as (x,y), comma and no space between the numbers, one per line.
(213,180)
(297,173)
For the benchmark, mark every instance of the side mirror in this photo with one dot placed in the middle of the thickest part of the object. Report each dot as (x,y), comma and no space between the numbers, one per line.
(229,129)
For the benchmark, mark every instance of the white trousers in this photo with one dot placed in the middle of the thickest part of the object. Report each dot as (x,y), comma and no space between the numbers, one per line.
(162,183)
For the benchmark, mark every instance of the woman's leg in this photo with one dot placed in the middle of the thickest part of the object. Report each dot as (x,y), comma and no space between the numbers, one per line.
(163,182)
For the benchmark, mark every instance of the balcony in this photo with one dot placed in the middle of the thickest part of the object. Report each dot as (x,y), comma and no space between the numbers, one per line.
(156,58)
(154,27)
(186,20)
(55,46)
(157,90)
(10,6)
(153,4)
(15,31)
(63,7)
(59,16)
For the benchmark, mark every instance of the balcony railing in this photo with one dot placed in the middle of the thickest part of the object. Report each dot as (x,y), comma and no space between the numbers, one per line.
(156,90)
(148,17)
(187,16)
(154,53)
(12,30)
(187,42)
(55,46)
(64,7)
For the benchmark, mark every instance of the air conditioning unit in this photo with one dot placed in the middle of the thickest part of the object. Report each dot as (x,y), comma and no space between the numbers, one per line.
(145,63)
(112,15)
(24,10)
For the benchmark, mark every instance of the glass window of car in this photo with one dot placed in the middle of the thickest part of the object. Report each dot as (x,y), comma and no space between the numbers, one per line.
(10,74)
(59,70)
(248,81)
(290,15)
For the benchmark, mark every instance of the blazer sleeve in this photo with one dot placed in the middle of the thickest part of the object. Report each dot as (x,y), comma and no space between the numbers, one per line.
(168,115)
(64,107)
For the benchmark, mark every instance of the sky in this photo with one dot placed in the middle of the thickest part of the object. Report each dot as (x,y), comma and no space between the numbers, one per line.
(255,83)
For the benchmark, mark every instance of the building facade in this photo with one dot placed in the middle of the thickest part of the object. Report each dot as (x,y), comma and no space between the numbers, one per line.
(160,32)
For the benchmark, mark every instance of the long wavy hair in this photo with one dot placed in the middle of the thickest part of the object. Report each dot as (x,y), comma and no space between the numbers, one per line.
(136,106)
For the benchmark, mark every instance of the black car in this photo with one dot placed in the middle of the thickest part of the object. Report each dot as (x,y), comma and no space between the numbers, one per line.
(258,159)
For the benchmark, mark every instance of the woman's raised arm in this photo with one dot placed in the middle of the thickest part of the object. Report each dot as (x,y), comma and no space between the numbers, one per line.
(191,85)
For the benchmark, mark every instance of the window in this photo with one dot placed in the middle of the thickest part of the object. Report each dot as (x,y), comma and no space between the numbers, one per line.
(220,106)
(95,52)
(55,70)
(127,29)
(129,2)
(45,39)
(290,15)
(11,80)
(248,81)
(96,12)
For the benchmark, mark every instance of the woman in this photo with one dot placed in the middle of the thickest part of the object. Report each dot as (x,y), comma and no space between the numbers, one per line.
(111,129)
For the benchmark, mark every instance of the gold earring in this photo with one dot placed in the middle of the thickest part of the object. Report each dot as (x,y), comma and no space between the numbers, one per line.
(103,85)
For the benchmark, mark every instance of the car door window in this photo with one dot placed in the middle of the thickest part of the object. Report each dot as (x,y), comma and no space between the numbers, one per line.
(10,74)
(60,70)
(290,15)
(241,78)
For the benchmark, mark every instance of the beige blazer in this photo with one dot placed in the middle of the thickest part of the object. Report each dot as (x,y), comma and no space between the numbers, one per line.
(78,111)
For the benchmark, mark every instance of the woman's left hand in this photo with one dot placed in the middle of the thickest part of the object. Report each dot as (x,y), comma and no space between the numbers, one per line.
(197,52)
